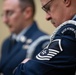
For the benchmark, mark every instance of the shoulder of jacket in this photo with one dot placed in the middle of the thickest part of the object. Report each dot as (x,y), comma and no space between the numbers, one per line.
(33,46)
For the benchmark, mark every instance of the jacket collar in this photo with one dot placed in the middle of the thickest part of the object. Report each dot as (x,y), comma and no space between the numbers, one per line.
(74,17)
(31,30)
(26,33)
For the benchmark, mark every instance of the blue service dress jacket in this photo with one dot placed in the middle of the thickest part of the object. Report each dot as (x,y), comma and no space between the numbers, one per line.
(58,58)
(13,56)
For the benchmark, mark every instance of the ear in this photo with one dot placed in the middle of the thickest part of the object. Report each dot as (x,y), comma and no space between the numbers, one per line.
(67,2)
(28,13)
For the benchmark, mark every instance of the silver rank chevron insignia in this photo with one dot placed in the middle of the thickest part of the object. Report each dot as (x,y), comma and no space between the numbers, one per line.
(53,49)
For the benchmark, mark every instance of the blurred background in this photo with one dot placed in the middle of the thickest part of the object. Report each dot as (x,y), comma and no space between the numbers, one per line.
(44,25)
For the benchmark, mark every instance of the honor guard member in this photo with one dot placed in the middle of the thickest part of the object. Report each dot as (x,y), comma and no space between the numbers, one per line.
(26,40)
(59,57)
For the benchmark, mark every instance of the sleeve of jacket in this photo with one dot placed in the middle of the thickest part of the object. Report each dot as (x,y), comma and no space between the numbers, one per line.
(58,58)
(37,46)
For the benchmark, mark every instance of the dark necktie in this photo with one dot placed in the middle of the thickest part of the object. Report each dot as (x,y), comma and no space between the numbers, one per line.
(13,43)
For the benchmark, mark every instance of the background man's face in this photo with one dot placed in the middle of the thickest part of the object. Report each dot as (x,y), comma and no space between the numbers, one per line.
(12,15)
(55,11)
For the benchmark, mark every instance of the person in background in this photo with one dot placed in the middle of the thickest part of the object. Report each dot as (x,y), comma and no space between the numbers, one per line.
(26,40)
(59,57)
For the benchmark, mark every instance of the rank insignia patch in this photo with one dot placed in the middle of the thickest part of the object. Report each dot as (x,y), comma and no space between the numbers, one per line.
(53,49)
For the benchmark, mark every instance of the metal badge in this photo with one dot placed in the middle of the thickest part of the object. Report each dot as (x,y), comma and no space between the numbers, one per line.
(29,41)
(23,39)
(25,46)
